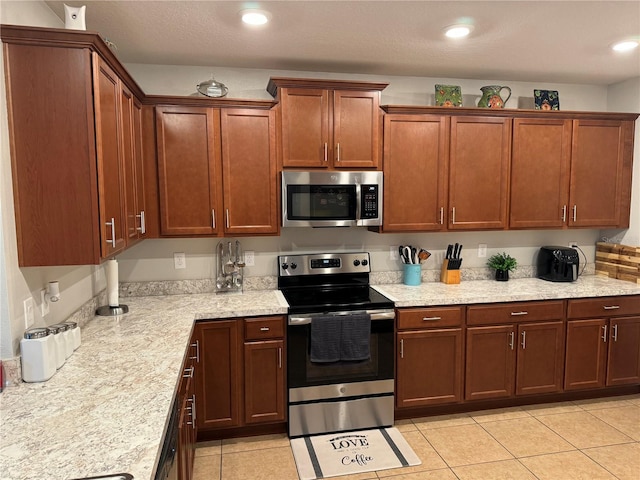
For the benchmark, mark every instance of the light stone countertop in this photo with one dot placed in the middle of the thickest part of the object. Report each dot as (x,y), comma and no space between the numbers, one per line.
(491,291)
(106,409)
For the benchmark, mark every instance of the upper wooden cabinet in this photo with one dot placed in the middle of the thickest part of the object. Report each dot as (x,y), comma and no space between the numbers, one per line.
(479,162)
(571,172)
(328,124)
(188,141)
(67,145)
(217,171)
(415,172)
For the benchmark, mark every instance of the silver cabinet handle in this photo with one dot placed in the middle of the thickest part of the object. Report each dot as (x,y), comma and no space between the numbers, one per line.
(575,212)
(611,307)
(518,314)
(194,409)
(197,347)
(441,215)
(402,348)
(512,336)
(453,215)
(431,319)
(188,372)
(112,224)
(564,213)
(227,218)
(326,152)
(524,340)
(604,333)
(338,151)
(264,329)
(213,218)
(614,332)
(143,225)
(279,357)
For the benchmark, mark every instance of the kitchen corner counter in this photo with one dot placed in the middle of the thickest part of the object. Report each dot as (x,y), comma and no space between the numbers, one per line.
(105,410)
(515,290)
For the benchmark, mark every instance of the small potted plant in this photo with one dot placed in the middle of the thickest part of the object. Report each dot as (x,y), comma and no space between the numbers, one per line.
(502,263)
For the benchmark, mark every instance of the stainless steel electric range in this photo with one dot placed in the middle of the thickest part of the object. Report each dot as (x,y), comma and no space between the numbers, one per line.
(340,349)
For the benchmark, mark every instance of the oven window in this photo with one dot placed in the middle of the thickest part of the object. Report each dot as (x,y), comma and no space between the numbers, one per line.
(321,202)
(302,372)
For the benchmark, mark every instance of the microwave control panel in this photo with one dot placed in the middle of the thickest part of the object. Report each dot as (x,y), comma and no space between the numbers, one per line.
(369,201)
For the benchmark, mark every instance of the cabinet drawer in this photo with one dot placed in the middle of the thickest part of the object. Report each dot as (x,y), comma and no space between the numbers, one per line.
(409,318)
(260,328)
(604,307)
(514,312)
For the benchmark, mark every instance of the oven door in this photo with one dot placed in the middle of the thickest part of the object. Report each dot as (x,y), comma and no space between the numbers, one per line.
(303,372)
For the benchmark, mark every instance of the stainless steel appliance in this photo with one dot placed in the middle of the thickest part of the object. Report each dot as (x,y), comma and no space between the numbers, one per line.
(340,349)
(331,199)
(558,264)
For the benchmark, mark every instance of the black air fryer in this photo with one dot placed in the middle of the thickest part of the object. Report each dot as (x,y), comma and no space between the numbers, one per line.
(558,264)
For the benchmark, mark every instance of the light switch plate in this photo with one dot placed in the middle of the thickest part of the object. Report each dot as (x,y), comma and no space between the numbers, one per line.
(249,258)
(393,253)
(482,250)
(179,260)
(29,318)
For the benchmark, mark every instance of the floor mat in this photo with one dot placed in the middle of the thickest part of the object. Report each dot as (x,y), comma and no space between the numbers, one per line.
(346,453)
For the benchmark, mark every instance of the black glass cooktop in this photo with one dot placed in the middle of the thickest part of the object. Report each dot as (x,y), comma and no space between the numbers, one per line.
(334,299)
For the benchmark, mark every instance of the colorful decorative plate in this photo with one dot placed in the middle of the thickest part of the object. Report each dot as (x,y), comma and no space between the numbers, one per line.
(546,100)
(448,96)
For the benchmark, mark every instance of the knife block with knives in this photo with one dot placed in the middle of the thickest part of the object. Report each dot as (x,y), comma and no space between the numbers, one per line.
(450,273)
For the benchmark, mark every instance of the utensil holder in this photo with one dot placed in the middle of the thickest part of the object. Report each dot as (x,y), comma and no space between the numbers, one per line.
(449,276)
(412,274)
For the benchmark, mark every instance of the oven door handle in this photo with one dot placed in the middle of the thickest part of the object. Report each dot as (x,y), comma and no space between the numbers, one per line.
(375,315)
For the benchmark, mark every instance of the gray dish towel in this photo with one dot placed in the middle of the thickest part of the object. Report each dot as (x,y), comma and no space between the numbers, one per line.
(325,339)
(354,339)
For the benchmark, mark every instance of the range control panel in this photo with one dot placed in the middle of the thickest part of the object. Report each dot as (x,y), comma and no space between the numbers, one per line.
(323,263)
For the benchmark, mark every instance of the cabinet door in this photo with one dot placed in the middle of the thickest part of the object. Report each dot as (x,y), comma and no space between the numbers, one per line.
(540,358)
(429,367)
(490,364)
(111,178)
(264,387)
(249,171)
(623,365)
(540,173)
(356,129)
(128,150)
(415,172)
(305,127)
(586,354)
(218,378)
(479,172)
(188,170)
(596,173)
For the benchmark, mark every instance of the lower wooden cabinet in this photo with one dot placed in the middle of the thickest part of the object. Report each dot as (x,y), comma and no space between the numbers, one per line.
(240,378)
(602,352)
(514,358)
(429,360)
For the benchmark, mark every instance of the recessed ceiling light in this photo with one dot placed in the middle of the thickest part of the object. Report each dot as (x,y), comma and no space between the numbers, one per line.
(625,45)
(255,17)
(458,31)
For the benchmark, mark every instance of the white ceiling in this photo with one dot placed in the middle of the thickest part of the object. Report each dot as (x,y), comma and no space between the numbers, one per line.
(534,41)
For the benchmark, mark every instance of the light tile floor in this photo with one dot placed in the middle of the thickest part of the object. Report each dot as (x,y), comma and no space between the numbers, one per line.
(581,440)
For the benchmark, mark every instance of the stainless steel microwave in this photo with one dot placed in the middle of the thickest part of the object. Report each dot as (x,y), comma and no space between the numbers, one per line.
(331,199)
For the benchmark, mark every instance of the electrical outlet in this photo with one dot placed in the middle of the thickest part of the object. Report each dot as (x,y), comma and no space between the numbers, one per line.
(482,250)
(29,318)
(393,253)
(249,258)
(179,260)
(44,304)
